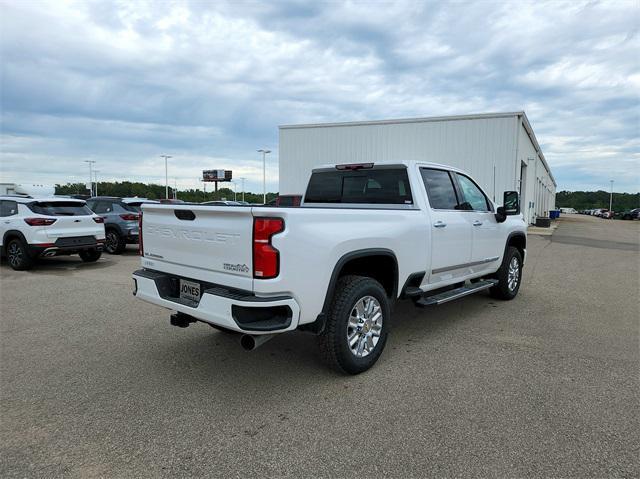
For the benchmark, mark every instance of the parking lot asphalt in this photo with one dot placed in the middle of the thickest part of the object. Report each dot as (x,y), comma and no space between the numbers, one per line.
(97,383)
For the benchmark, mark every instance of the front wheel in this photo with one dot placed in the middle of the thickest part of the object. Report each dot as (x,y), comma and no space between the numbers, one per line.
(509,275)
(357,325)
(90,255)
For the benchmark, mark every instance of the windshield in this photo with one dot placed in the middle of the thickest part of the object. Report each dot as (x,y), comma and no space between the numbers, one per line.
(60,208)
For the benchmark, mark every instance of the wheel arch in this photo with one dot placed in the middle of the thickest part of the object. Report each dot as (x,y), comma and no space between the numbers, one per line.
(518,240)
(384,270)
(12,234)
(113,226)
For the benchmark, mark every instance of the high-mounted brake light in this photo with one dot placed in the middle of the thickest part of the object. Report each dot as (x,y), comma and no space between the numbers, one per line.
(266,259)
(355,166)
(140,246)
(40,221)
(98,219)
(129,217)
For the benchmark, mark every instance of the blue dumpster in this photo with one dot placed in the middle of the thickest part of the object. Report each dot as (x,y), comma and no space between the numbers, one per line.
(554,214)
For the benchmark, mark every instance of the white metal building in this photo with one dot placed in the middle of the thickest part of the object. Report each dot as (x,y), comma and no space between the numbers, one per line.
(499,150)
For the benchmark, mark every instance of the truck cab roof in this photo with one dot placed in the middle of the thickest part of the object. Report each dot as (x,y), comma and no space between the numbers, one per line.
(385,164)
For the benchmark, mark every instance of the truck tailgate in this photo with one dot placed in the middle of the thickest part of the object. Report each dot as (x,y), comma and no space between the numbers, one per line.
(207,243)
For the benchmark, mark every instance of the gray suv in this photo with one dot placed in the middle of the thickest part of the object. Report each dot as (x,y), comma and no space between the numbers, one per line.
(120,222)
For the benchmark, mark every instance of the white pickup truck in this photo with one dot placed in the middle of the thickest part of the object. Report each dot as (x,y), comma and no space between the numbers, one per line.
(365,236)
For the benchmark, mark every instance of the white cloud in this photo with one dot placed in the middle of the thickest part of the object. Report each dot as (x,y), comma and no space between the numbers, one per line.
(124,81)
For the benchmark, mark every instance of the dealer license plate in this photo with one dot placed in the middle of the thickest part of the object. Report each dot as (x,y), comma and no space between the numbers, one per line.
(189,290)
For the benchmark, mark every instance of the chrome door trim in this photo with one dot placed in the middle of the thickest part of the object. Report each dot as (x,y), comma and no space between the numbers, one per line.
(465,265)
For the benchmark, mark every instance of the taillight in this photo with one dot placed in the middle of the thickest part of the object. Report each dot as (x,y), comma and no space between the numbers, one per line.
(140,247)
(130,217)
(98,219)
(40,221)
(266,259)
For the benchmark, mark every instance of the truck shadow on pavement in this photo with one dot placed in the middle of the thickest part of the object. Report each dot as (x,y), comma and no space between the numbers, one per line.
(197,356)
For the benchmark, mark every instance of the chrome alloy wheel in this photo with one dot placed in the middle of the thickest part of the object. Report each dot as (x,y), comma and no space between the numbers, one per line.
(513,275)
(14,254)
(364,327)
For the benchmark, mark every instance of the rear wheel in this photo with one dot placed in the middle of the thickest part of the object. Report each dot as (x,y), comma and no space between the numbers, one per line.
(114,242)
(18,255)
(509,275)
(90,255)
(357,325)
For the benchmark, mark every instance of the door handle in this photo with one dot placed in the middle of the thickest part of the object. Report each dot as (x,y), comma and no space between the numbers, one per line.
(439,224)
(477,223)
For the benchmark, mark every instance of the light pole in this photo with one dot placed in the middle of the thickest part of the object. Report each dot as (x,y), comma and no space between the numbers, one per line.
(243,188)
(611,195)
(95,172)
(204,187)
(264,174)
(235,193)
(91,162)
(166,176)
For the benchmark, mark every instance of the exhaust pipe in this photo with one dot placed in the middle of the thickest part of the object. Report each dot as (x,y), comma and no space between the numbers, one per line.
(249,342)
(49,252)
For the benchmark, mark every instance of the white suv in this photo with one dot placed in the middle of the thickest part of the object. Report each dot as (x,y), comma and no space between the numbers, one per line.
(43,227)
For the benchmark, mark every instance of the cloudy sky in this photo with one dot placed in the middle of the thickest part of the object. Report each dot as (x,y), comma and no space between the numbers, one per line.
(209,82)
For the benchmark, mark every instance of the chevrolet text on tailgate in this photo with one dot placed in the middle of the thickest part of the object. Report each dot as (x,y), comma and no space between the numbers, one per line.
(366,235)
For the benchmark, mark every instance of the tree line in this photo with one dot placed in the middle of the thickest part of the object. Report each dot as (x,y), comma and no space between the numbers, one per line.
(580,200)
(156,192)
(587,200)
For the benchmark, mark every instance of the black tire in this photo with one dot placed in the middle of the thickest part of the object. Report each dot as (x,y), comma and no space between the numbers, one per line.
(90,255)
(334,344)
(18,255)
(505,289)
(114,242)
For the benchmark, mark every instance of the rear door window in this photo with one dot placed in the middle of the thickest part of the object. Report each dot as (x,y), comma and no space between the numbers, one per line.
(440,189)
(8,208)
(366,186)
(60,208)
(101,207)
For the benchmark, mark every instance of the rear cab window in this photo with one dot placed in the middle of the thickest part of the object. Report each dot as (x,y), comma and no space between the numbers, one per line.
(60,208)
(440,189)
(388,184)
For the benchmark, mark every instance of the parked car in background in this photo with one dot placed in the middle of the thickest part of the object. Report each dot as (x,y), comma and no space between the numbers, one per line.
(289,200)
(120,222)
(137,203)
(170,201)
(222,203)
(630,214)
(45,227)
(606,214)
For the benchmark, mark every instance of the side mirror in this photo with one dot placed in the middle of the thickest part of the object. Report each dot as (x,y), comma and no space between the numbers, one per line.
(511,206)
(511,202)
